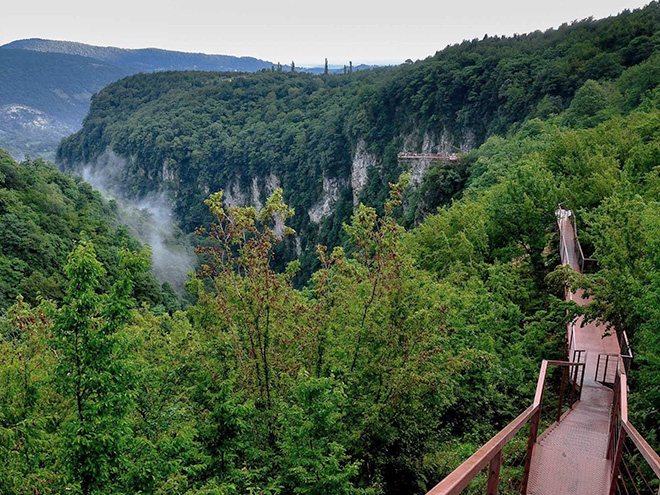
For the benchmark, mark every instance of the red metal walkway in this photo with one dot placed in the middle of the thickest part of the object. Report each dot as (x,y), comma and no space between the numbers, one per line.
(591,448)
(576,447)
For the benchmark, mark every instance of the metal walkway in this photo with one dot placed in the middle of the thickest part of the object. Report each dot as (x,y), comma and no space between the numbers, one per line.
(576,447)
(591,448)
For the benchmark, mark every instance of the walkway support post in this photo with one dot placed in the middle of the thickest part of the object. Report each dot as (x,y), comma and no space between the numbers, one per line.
(533,435)
(614,419)
(534,426)
(494,474)
(617,461)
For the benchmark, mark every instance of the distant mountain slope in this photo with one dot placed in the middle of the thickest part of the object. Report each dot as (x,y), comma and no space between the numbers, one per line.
(45,96)
(46,86)
(144,59)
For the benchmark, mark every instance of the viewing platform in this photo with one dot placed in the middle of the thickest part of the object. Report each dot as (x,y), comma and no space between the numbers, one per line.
(443,157)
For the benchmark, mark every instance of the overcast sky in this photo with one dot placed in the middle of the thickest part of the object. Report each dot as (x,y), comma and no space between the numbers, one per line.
(306,31)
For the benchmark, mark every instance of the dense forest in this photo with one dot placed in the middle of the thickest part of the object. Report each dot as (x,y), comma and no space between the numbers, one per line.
(413,337)
(42,215)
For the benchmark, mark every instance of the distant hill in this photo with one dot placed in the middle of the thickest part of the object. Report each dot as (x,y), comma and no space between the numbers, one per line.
(45,96)
(46,86)
(144,59)
(334,69)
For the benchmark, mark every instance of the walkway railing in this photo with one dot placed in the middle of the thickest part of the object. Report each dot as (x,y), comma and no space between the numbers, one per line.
(626,350)
(607,365)
(635,465)
(584,264)
(503,464)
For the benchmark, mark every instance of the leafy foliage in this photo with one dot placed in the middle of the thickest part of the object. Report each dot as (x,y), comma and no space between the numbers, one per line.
(404,350)
(42,213)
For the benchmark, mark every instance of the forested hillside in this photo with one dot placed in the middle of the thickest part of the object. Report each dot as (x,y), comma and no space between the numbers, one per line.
(42,215)
(401,349)
(331,141)
(46,86)
(402,355)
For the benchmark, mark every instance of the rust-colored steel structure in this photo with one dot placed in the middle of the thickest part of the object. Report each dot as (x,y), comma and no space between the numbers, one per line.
(588,445)
(441,157)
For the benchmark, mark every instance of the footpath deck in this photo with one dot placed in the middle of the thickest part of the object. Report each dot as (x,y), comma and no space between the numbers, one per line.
(571,457)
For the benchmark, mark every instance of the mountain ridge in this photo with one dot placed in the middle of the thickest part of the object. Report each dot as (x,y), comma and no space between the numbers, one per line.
(142,58)
(53,81)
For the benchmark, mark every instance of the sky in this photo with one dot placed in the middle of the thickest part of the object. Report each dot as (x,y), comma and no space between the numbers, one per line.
(305,31)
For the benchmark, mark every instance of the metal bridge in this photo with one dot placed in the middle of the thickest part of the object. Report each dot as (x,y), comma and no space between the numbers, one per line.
(443,157)
(575,437)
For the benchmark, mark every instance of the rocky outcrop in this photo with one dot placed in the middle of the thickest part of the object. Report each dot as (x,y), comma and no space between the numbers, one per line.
(362,162)
(260,188)
(272,183)
(325,207)
(234,196)
(168,173)
(256,193)
(429,142)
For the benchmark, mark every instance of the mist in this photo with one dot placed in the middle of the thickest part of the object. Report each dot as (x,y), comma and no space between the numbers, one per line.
(150,219)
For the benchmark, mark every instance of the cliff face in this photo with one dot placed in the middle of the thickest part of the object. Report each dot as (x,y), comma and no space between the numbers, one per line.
(363,161)
(322,202)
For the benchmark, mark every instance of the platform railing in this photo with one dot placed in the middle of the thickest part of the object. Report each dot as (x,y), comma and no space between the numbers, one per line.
(503,464)
(607,365)
(586,264)
(635,465)
(626,350)
(406,155)
(563,246)
(577,373)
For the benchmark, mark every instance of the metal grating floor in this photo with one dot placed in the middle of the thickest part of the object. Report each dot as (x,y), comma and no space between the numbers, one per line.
(571,457)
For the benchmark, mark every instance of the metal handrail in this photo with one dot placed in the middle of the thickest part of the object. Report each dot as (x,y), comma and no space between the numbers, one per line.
(620,428)
(581,259)
(577,358)
(616,359)
(461,477)
(491,453)
(626,350)
(563,249)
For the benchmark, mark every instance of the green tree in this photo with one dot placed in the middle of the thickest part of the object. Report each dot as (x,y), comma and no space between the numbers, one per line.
(315,461)
(94,368)
(593,103)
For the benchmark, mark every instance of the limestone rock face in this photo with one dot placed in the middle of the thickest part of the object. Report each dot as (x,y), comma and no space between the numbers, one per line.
(260,188)
(234,196)
(168,173)
(325,206)
(362,162)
